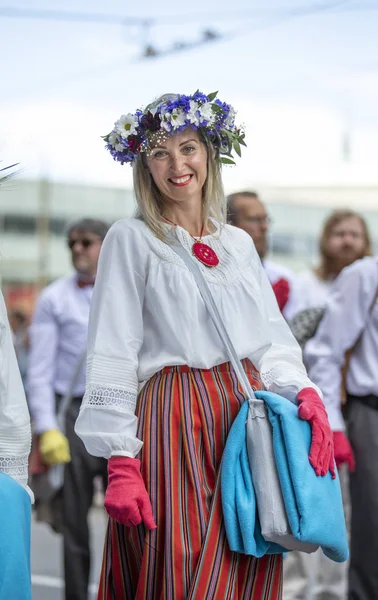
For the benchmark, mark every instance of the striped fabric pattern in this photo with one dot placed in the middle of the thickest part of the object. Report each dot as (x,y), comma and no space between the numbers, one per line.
(184,417)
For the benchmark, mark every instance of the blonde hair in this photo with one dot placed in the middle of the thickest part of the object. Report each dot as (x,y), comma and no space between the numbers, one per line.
(150,203)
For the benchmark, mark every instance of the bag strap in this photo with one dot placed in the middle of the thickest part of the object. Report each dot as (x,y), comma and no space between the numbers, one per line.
(216,317)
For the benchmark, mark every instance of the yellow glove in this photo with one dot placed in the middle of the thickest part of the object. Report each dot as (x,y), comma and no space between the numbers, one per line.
(54,447)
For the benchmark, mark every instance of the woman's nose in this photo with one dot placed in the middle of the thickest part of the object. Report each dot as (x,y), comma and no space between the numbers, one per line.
(177,162)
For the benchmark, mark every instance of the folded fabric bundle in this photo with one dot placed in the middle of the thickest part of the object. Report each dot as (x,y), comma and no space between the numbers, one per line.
(15,523)
(313,505)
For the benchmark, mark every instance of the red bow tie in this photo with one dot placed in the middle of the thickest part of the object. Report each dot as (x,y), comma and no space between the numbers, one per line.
(82,283)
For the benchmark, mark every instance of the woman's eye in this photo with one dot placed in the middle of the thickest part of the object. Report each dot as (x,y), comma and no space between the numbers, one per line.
(189,149)
(159,154)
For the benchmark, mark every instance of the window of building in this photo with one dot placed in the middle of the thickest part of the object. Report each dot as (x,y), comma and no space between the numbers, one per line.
(27,224)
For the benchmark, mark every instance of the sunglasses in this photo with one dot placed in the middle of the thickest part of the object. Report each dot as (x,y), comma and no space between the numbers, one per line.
(85,242)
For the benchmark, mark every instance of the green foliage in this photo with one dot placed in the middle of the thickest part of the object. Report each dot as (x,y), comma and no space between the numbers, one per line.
(212,96)
(226,161)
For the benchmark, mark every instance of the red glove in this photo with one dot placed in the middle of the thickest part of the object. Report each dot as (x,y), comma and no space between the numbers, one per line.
(343,451)
(281,289)
(312,409)
(126,498)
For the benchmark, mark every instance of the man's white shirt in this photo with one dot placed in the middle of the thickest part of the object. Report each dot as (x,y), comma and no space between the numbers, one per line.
(58,338)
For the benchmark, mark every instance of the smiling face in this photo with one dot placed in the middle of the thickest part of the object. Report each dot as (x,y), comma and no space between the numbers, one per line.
(178,167)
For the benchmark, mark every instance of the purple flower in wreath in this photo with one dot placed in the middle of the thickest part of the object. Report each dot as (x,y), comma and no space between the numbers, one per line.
(134,143)
(150,122)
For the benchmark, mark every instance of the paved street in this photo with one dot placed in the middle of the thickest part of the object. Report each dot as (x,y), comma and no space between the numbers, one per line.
(46,558)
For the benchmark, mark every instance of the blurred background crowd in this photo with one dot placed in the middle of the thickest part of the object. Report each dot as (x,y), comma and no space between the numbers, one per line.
(304,77)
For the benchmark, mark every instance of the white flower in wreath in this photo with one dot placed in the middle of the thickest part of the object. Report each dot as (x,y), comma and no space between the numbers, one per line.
(166,125)
(230,121)
(178,118)
(126,125)
(207,113)
(165,120)
(114,141)
(192,115)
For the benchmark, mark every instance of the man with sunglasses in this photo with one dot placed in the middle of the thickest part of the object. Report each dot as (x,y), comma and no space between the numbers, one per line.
(58,337)
(245,210)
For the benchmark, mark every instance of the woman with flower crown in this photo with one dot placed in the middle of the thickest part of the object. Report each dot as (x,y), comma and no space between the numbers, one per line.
(149,325)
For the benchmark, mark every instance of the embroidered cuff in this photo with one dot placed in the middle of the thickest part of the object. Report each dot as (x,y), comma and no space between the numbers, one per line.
(109,397)
(16,467)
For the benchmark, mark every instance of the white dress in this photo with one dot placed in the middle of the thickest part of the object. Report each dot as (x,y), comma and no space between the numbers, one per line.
(147,313)
(15,433)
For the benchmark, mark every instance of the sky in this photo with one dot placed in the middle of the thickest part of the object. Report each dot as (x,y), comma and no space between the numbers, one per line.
(302,75)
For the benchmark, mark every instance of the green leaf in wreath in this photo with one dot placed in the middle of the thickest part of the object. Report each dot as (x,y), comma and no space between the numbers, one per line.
(228,133)
(217,108)
(226,161)
(237,147)
(212,96)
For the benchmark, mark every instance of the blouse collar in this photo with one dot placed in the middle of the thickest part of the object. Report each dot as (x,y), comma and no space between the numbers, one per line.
(183,233)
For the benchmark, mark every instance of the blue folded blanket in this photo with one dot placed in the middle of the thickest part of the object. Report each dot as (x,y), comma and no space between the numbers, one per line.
(313,504)
(15,518)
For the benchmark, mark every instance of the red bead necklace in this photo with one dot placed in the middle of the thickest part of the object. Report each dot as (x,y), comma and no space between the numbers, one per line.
(200,250)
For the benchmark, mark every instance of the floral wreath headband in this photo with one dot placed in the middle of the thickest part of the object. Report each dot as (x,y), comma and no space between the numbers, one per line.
(215,120)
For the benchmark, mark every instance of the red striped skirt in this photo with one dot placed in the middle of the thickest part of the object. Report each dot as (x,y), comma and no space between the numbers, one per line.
(184,417)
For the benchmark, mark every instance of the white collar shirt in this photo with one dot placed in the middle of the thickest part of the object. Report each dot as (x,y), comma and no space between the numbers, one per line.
(350,321)
(58,337)
(312,291)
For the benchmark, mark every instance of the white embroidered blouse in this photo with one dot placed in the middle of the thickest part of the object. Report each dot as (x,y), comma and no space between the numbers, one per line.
(15,434)
(147,313)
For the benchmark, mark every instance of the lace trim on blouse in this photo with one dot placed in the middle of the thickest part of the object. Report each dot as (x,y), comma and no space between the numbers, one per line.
(272,376)
(112,397)
(16,467)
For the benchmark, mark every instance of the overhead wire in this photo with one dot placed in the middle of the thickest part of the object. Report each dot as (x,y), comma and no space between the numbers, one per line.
(271,20)
(117,19)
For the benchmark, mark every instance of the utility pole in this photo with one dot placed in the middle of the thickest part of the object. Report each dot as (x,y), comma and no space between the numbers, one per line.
(347,133)
(346,146)
(43,233)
